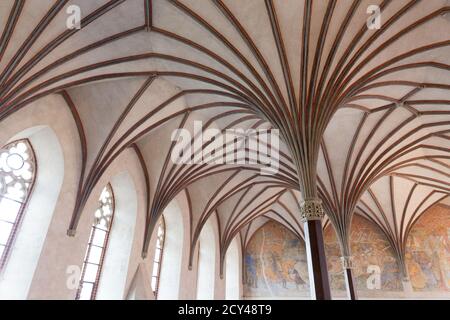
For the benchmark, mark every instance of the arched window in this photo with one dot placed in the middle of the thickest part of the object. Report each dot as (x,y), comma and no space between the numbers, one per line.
(98,241)
(17,176)
(158,255)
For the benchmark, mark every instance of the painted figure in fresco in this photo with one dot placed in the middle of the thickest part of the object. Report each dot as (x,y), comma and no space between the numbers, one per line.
(271,258)
(418,279)
(252,278)
(294,275)
(429,252)
(389,275)
(278,270)
(366,249)
(426,265)
(421,271)
(293,243)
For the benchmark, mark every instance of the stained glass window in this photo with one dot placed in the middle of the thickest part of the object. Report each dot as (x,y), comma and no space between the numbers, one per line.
(158,255)
(17,173)
(98,240)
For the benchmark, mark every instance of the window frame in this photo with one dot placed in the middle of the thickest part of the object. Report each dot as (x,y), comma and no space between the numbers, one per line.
(104,248)
(158,263)
(4,257)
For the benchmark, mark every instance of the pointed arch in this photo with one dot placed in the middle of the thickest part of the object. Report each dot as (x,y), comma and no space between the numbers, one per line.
(157,260)
(17,176)
(96,248)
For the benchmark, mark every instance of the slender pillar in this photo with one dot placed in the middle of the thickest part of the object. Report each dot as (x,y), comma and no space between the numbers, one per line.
(407,286)
(311,215)
(347,265)
(406,280)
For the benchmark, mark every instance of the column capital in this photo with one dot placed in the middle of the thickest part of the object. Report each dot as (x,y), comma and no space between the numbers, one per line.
(347,262)
(311,209)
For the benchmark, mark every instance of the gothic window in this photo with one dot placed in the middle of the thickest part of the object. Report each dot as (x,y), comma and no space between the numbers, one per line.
(96,248)
(17,175)
(158,255)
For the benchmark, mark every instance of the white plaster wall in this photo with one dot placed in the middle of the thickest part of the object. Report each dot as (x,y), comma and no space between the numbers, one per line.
(188,283)
(16,278)
(115,266)
(187,278)
(219,282)
(51,115)
(170,274)
(139,288)
(209,283)
(121,260)
(60,251)
(207,263)
(233,274)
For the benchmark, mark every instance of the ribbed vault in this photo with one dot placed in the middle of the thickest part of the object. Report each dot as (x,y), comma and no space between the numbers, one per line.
(355,107)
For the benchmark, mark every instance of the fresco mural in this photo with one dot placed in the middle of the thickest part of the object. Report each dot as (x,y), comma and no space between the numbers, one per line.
(275,260)
(275,264)
(372,253)
(428,251)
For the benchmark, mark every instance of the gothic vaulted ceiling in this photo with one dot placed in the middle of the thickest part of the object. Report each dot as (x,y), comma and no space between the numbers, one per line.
(363,113)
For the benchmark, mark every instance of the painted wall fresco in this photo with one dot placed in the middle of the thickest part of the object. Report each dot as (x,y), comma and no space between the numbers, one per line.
(275,260)
(275,264)
(372,253)
(428,251)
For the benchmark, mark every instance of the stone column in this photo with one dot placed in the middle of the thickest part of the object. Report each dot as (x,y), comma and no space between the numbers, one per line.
(406,280)
(347,265)
(311,213)
(407,286)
